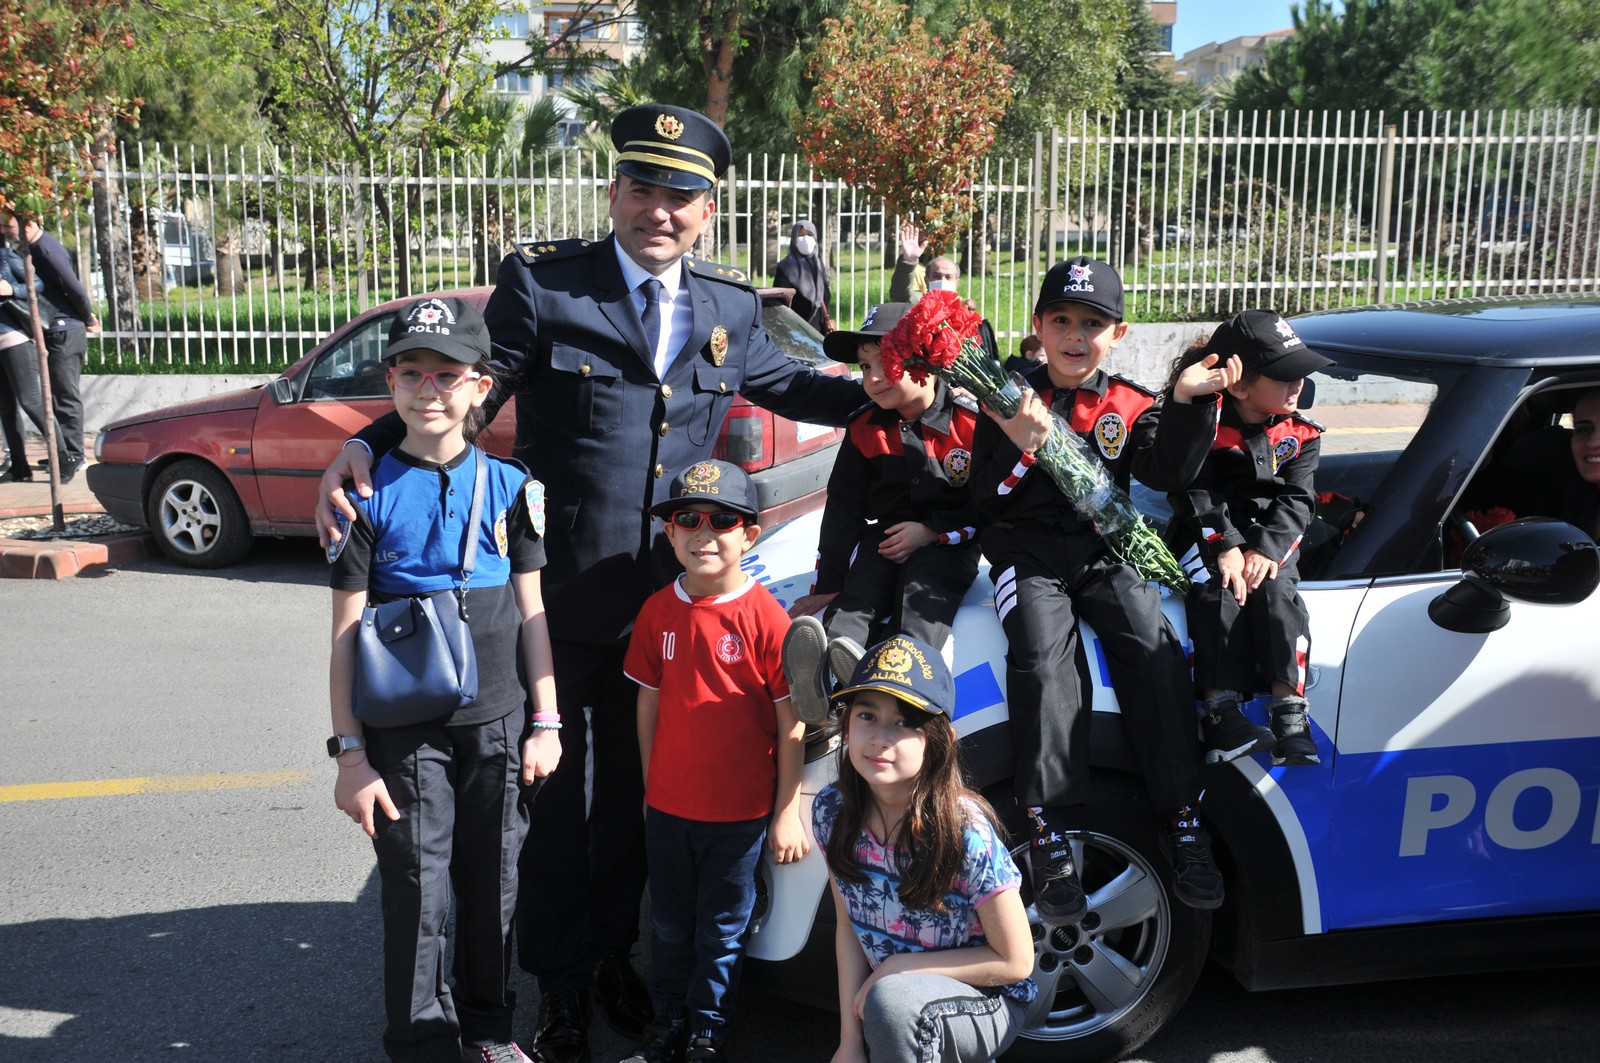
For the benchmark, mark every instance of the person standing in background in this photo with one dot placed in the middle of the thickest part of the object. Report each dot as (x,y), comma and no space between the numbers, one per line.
(803,270)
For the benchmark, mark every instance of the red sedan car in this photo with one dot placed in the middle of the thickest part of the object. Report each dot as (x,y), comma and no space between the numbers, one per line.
(208,476)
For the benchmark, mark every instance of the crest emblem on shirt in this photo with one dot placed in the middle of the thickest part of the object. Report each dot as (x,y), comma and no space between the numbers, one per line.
(730,648)
(341,524)
(719,345)
(501,540)
(1287,449)
(533,494)
(1110,433)
(957,464)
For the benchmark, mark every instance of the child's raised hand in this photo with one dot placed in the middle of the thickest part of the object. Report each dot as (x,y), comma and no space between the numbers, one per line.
(1230,567)
(358,788)
(1030,427)
(810,604)
(901,540)
(1258,568)
(541,752)
(1207,377)
(787,838)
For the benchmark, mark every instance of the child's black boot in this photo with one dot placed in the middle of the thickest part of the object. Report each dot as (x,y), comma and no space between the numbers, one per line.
(1227,733)
(810,691)
(1292,729)
(1195,878)
(705,1047)
(1058,894)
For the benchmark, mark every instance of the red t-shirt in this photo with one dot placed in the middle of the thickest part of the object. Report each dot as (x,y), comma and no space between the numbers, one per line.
(717,664)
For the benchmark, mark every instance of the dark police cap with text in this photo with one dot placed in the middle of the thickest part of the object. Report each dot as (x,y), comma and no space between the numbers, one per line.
(1266,344)
(908,669)
(715,482)
(670,146)
(451,327)
(1082,280)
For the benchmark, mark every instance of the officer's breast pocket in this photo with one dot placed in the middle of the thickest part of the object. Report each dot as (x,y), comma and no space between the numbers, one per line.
(714,391)
(586,392)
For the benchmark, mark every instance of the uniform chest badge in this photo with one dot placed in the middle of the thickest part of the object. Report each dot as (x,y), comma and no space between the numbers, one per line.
(957,464)
(719,345)
(730,648)
(1111,433)
(533,494)
(502,542)
(1287,449)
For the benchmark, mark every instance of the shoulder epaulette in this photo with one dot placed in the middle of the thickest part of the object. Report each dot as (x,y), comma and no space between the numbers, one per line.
(966,401)
(1135,385)
(1298,416)
(717,272)
(550,250)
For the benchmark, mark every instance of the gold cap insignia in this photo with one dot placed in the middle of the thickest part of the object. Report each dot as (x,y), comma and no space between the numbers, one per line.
(701,477)
(669,126)
(719,345)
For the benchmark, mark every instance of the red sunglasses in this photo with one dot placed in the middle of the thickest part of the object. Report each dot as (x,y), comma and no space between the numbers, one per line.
(721,521)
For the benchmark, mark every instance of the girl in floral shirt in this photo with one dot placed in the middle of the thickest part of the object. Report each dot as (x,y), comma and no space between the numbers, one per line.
(933,945)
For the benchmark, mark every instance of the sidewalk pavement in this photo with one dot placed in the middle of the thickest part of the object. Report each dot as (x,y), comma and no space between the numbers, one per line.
(60,558)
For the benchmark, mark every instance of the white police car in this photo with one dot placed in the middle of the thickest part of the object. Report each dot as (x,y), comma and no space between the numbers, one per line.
(1453,824)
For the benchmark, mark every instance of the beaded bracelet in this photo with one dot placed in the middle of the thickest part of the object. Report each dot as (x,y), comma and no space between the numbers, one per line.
(542,725)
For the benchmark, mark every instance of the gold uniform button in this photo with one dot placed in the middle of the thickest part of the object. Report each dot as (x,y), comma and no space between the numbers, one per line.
(722,385)
(666,391)
(584,371)
(659,472)
(665,427)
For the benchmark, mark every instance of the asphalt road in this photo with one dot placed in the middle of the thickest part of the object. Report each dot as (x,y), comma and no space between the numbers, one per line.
(226,910)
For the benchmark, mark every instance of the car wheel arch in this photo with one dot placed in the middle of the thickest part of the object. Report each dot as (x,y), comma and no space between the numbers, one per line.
(213,493)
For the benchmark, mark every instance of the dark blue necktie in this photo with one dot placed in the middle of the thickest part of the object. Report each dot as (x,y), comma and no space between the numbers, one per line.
(651,317)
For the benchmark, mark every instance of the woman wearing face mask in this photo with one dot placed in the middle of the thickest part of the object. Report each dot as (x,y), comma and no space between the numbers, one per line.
(803,270)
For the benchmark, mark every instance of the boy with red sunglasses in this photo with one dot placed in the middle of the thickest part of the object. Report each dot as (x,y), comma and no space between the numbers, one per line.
(722,754)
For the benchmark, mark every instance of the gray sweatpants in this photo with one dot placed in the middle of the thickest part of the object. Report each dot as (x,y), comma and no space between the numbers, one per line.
(929,1018)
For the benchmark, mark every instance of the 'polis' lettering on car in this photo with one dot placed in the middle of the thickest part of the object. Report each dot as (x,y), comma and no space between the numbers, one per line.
(1426,813)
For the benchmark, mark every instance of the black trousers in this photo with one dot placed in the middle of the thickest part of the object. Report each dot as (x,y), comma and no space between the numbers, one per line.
(1270,634)
(66,351)
(583,867)
(19,394)
(1044,583)
(918,598)
(459,833)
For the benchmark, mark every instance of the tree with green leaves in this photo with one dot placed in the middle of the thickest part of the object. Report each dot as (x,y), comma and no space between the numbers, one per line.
(903,114)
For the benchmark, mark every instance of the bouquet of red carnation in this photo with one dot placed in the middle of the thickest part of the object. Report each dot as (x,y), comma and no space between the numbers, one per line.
(939,335)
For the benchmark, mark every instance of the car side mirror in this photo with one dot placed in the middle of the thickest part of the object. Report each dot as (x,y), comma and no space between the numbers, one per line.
(1536,559)
(281,390)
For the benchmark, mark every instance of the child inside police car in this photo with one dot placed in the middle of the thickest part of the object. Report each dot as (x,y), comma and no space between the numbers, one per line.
(451,822)
(1238,528)
(899,532)
(721,753)
(932,942)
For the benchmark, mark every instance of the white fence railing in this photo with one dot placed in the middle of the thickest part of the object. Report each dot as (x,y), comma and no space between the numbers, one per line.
(246,257)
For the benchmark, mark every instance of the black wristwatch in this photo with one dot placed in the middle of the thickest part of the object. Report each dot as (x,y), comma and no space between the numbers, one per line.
(345,743)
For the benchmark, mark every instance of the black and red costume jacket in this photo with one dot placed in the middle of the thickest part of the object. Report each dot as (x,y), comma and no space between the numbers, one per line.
(892,470)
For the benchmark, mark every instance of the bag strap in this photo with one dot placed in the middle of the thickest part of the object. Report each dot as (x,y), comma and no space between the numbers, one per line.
(469,552)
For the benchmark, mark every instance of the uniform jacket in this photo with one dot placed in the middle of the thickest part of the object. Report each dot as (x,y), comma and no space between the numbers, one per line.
(66,293)
(1254,490)
(1122,427)
(891,470)
(604,433)
(15,273)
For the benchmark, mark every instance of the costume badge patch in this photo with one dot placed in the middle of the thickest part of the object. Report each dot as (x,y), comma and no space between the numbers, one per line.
(533,494)
(957,464)
(342,524)
(730,648)
(719,345)
(1286,450)
(502,542)
(1110,433)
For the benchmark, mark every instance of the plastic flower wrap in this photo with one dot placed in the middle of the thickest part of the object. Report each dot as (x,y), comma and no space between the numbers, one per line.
(938,335)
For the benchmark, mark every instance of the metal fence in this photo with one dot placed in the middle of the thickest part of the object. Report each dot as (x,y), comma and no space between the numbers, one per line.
(245,257)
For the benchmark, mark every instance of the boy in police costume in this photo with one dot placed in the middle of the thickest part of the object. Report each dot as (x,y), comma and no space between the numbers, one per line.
(899,534)
(1051,567)
(625,355)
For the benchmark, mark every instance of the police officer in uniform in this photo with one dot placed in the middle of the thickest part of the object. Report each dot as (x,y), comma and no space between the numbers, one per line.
(625,355)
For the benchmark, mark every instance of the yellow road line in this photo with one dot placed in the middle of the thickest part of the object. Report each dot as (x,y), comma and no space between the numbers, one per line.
(158,784)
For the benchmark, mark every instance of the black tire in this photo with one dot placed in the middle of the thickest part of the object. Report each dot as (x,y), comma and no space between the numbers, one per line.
(196,517)
(1110,983)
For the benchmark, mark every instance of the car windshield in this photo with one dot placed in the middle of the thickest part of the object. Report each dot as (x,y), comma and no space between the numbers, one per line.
(794,337)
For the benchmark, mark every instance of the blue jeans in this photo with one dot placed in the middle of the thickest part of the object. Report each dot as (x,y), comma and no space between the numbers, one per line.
(702,890)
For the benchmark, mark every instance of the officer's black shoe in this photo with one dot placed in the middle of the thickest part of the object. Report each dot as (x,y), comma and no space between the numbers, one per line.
(1195,878)
(704,1047)
(1227,733)
(809,690)
(562,1033)
(664,1041)
(69,469)
(1057,892)
(1292,730)
(622,995)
